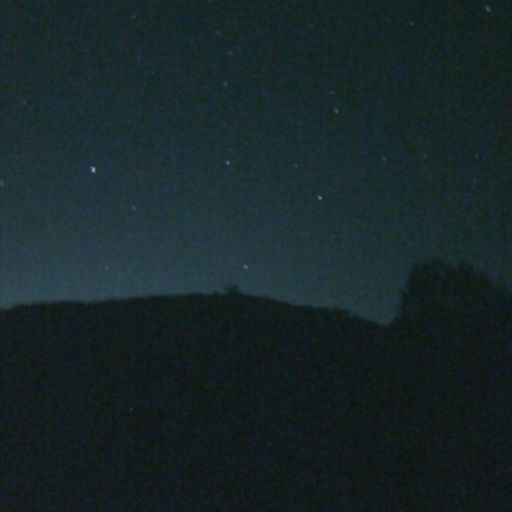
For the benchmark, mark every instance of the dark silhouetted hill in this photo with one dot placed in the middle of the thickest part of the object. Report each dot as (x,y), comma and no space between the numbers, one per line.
(231,402)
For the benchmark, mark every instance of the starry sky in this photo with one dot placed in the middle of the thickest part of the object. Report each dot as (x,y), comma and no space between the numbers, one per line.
(311,151)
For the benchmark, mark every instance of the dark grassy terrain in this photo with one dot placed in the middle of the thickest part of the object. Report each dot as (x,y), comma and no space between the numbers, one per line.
(232,402)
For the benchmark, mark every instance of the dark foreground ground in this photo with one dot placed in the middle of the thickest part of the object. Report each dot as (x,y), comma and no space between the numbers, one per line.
(229,402)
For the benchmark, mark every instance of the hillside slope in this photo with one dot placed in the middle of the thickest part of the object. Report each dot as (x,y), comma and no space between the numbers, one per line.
(230,402)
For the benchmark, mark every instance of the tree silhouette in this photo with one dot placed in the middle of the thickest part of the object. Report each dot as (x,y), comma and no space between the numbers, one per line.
(232,289)
(439,292)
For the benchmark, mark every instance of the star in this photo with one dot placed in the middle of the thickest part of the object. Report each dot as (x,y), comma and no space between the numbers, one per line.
(488,9)
(2,183)
(227,162)
(245,266)
(320,197)
(92,169)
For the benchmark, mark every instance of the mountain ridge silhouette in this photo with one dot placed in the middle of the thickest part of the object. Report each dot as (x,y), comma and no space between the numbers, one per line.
(229,401)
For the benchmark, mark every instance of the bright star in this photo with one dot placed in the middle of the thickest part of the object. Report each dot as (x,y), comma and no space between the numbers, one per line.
(92,168)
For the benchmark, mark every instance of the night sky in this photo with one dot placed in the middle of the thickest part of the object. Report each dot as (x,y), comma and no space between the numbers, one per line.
(310,151)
